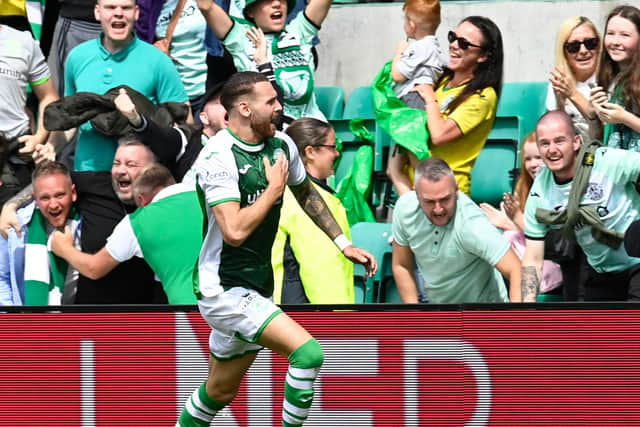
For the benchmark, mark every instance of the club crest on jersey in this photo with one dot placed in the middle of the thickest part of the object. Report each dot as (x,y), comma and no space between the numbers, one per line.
(287,40)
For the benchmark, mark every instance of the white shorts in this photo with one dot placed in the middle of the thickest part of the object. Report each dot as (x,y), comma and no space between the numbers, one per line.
(237,318)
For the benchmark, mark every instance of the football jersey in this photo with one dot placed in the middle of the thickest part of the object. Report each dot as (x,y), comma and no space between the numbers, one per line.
(229,169)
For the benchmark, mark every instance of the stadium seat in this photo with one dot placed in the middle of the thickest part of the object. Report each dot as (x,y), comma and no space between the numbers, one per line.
(359,105)
(350,145)
(491,175)
(549,298)
(506,127)
(330,100)
(375,238)
(525,100)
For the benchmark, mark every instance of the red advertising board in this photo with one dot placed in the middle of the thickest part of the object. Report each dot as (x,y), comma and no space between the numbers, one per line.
(411,368)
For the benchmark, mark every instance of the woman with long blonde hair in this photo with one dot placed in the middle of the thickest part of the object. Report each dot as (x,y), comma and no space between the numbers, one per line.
(578,46)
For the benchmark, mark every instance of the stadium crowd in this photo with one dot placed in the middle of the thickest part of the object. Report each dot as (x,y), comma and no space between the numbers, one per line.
(99,93)
(190,178)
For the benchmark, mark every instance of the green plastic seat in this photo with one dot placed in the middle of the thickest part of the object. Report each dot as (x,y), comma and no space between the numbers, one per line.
(549,298)
(359,105)
(525,100)
(330,100)
(375,238)
(490,176)
(350,145)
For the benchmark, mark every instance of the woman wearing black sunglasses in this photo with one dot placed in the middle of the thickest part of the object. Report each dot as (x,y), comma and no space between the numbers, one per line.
(616,100)
(462,107)
(577,50)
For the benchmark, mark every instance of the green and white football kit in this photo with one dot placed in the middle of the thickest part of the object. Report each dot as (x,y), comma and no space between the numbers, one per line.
(229,169)
(171,254)
(292,61)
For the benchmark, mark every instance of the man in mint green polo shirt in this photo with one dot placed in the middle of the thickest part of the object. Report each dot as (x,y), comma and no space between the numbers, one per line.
(116,58)
(459,253)
(164,230)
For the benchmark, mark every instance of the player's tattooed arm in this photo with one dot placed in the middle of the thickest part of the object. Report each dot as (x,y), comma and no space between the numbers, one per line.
(314,205)
(530,283)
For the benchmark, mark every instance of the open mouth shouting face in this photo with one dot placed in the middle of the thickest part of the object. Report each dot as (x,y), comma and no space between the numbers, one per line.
(117,18)
(127,164)
(269,15)
(54,194)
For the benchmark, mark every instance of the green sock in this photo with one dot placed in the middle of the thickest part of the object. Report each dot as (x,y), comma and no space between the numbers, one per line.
(199,409)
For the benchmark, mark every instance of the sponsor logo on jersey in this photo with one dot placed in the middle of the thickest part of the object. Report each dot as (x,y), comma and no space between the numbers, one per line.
(243,170)
(212,177)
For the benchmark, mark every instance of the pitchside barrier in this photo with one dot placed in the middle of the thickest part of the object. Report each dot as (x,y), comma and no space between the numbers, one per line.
(385,365)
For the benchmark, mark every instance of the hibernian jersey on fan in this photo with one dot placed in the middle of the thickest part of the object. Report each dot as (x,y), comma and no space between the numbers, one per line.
(229,169)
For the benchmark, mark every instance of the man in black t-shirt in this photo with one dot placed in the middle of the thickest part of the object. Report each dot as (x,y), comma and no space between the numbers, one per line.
(103,200)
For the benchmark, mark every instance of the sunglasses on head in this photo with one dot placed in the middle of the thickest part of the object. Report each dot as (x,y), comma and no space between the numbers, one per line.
(574,47)
(462,42)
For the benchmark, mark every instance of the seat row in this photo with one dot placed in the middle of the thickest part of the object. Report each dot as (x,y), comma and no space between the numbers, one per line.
(520,106)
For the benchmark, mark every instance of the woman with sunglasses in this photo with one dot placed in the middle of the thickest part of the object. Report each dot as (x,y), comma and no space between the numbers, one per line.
(462,107)
(577,50)
(307,266)
(616,100)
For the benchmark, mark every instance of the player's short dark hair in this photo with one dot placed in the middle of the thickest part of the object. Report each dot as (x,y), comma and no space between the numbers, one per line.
(239,84)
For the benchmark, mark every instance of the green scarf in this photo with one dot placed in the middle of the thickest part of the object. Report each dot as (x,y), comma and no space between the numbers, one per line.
(44,272)
(574,212)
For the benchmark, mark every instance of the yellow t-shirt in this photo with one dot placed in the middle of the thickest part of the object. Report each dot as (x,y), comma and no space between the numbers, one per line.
(13,8)
(475,118)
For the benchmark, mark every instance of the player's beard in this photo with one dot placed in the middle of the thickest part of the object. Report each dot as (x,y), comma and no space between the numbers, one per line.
(262,128)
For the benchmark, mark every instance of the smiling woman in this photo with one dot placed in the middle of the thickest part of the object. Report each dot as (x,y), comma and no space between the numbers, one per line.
(462,108)
(617,99)
(577,50)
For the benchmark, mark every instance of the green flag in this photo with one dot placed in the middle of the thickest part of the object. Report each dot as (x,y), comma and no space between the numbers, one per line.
(407,126)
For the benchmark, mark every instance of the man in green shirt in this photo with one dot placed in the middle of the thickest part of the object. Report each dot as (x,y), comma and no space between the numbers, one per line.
(458,251)
(172,253)
(597,195)
(241,175)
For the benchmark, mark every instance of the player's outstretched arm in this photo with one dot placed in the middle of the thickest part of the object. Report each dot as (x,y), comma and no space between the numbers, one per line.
(217,19)
(314,205)
(317,11)
(93,266)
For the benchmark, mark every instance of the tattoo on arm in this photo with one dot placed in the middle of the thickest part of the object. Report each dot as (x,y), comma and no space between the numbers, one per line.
(23,197)
(314,205)
(530,283)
